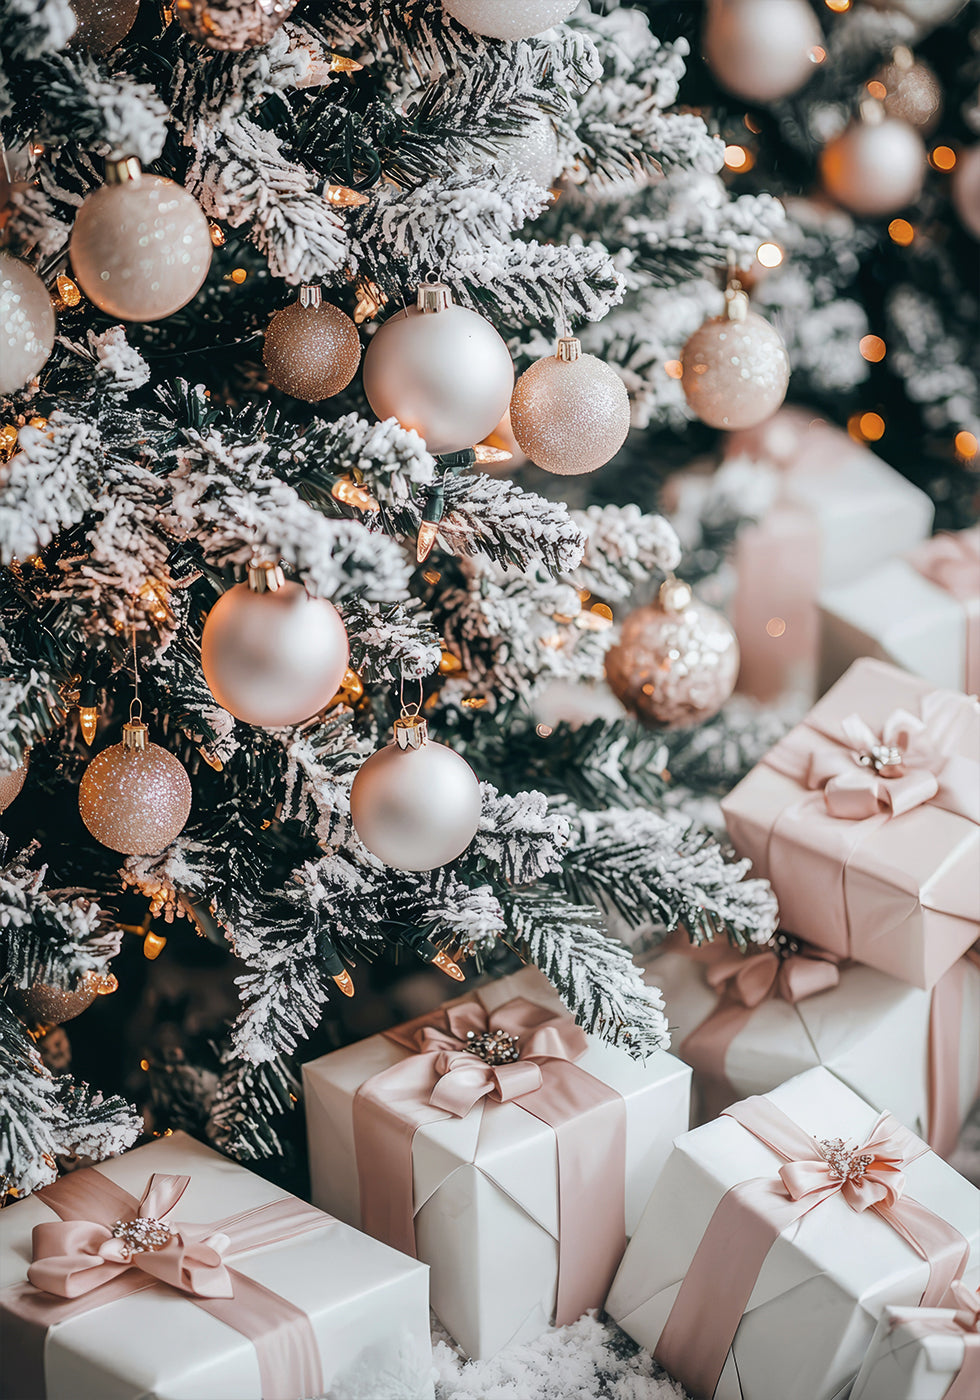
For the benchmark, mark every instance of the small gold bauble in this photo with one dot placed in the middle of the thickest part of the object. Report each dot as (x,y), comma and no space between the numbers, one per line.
(312,349)
(11,782)
(232,25)
(41,1004)
(135,797)
(102,24)
(570,412)
(913,93)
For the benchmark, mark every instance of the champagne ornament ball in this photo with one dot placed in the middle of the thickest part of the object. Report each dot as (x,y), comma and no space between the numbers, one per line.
(966,190)
(11,782)
(761,50)
(875,166)
(440,369)
(734,369)
(926,13)
(140,247)
(102,24)
(26,324)
(42,1004)
(676,661)
(570,412)
(913,93)
(135,797)
(312,348)
(271,654)
(415,804)
(232,25)
(509,19)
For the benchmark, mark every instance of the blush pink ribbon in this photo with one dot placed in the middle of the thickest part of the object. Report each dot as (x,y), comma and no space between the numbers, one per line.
(945,1033)
(78,1264)
(952,562)
(964,1324)
(441,1078)
(705,1316)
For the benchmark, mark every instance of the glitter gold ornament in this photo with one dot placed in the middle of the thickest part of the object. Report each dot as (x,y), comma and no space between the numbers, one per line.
(440,369)
(232,25)
(508,19)
(734,369)
(676,661)
(11,782)
(102,24)
(41,1004)
(415,804)
(913,93)
(570,412)
(876,165)
(26,324)
(271,654)
(312,349)
(140,247)
(135,797)
(966,190)
(761,50)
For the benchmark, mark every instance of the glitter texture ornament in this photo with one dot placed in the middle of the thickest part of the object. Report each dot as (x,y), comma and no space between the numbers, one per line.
(509,19)
(232,25)
(26,324)
(11,782)
(534,152)
(913,93)
(676,661)
(760,50)
(440,369)
(41,1004)
(135,797)
(271,654)
(312,349)
(415,804)
(140,247)
(570,412)
(102,24)
(966,190)
(876,165)
(734,369)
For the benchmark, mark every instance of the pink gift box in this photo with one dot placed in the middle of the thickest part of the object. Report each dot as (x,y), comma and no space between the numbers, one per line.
(866,820)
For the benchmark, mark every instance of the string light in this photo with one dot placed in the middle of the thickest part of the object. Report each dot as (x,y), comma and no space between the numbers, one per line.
(818,53)
(878,90)
(839,7)
(900,231)
(775,627)
(237,275)
(544,731)
(966,444)
(340,63)
(738,158)
(343,197)
(217,234)
(68,293)
(872,347)
(943,157)
(866,427)
(674,369)
(349,493)
(769,254)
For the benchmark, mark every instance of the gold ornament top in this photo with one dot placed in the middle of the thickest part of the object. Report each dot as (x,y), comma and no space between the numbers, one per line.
(134,735)
(569,349)
(675,595)
(264,576)
(736,302)
(411,731)
(310,294)
(123,172)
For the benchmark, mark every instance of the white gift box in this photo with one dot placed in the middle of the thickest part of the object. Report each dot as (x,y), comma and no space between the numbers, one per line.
(827,1277)
(367,1304)
(907,1362)
(871,1031)
(486,1186)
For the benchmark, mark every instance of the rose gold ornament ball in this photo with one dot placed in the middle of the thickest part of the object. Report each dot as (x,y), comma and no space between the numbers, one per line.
(11,782)
(45,1005)
(761,50)
(913,93)
(570,416)
(311,352)
(735,373)
(416,809)
(874,168)
(674,666)
(26,324)
(102,24)
(141,249)
(966,190)
(232,25)
(135,800)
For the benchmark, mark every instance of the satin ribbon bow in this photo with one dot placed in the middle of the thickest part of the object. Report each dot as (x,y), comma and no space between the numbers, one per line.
(72,1257)
(464,1078)
(870,1175)
(794,977)
(897,770)
(952,562)
(967,1305)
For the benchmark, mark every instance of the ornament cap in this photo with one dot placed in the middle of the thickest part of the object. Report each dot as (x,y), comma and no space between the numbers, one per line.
(123,172)
(675,595)
(736,302)
(569,349)
(264,576)
(310,295)
(432,297)
(134,735)
(903,57)
(411,732)
(872,111)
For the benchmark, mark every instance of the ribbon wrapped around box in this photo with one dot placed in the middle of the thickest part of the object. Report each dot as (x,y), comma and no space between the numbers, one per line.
(101,1271)
(776,1235)
(925,1353)
(501,1144)
(921,612)
(865,818)
(747,1022)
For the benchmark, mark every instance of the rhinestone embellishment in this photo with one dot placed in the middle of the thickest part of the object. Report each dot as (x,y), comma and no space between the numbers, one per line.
(887,760)
(142,1234)
(846,1163)
(493,1047)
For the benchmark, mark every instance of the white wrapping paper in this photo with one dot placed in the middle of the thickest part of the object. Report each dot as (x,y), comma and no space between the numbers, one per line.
(901,1365)
(368,1304)
(486,1186)
(826,1279)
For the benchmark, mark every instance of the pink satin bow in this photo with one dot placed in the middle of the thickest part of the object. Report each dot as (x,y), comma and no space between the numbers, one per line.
(852,788)
(72,1257)
(870,1175)
(751,979)
(967,1305)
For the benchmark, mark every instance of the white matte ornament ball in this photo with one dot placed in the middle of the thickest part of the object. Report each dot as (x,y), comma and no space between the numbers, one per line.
(761,50)
(874,168)
(416,809)
(26,324)
(446,373)
(11,782)
(509,19)
(735,372)
(966,190)
(311,352)
(570,412)
(135,800)
(273,658)
(140,250)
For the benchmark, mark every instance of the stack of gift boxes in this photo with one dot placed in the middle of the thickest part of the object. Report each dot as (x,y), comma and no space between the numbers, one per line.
(806,1238)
